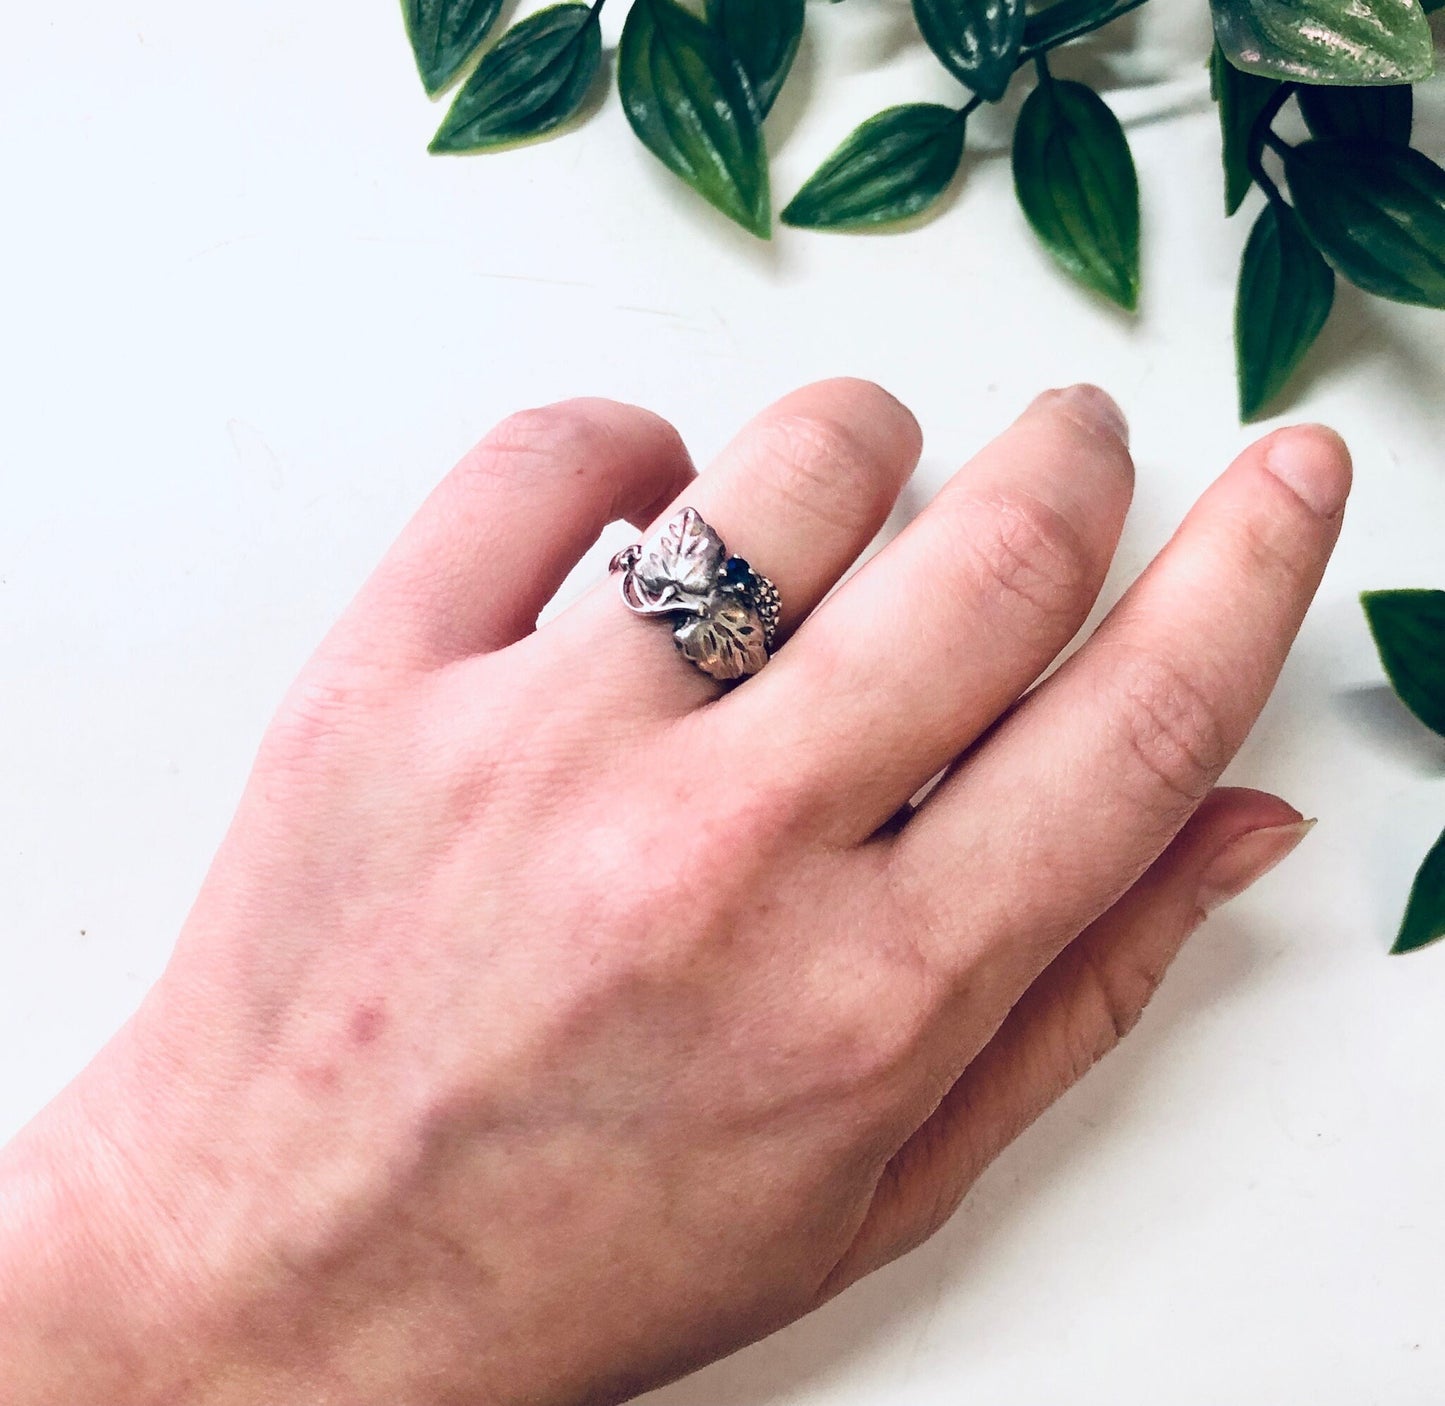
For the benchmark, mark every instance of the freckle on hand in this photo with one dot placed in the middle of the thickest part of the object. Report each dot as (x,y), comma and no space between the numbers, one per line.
(367,1022)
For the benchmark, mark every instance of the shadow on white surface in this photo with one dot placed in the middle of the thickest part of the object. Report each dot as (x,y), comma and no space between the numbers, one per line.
(1375,712)
(813,1358)
(1360,331)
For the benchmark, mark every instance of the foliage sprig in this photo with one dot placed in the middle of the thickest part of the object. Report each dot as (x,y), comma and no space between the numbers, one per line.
(1409,631)
(1354,200)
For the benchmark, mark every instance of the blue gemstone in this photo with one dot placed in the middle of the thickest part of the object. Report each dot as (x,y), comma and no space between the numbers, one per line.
(737,574)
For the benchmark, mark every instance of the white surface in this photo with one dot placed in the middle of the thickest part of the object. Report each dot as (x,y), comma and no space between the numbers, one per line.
(245,322)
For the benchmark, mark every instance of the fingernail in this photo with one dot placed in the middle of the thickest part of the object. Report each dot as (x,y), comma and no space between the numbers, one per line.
(1246,860)
(1314,462)
(1095,410)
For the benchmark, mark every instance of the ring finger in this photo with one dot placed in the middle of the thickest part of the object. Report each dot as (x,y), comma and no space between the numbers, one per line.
(799,493)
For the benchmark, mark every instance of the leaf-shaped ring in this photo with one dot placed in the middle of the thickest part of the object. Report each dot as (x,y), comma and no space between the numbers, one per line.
(724,615)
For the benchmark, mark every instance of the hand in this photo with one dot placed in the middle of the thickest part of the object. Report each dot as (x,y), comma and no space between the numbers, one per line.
(552,1021)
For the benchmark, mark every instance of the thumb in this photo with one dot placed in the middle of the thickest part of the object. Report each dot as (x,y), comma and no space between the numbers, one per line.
(1077,1010)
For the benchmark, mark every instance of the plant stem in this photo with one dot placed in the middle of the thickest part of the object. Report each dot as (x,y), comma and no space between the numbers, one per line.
(1262,134)
(1079,30)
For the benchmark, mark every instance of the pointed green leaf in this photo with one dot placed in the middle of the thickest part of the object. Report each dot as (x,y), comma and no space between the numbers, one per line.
(1409,631)
(1326,41)
(690,103)
(893,166)
(1377,213)
(1241,98)
(1425,913)
(1368,114)
(532,82)
(444,34)
(978,41)
(1285,294)
(1075,180)
(763,36)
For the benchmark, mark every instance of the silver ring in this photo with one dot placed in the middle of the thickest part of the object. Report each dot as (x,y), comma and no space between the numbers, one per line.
(724,615)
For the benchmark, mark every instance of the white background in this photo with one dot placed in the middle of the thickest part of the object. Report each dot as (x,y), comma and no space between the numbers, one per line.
(245,323)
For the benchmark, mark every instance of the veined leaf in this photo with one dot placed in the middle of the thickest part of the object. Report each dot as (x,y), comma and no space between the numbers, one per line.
(1425,913)
(533,81)
(1326,41)
(1076,182)
(1367,114)
(1285,294)
(895,165)
(1377,212)
(978,41)
(690,103)
(1409,631)
(763,36)
(1241,97)
(444,34)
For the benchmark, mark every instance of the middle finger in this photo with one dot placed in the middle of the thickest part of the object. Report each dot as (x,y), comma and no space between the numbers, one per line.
(922,651)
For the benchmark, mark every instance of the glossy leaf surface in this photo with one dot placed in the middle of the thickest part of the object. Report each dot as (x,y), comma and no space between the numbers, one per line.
(444,34)
(690,103)
(1326,41)
(1241,97)
(763,36)
(530,83)
(1377,212)
(1285,293)
(893,166)
(978,41)
(1075,179)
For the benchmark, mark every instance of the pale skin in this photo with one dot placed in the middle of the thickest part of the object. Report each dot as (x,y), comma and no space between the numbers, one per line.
(553,1021)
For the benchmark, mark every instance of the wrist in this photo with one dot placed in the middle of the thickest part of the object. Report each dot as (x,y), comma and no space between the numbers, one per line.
(98,1300)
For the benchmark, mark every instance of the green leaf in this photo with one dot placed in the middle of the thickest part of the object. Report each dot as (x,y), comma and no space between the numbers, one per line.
(1409,631)
(1285,293)
(533,81)
(690,103)
(444,34)
(1326,41)
(1046,27)
(1241,98)
(1425,913)
(1368,114)
(763,36)
(1075,180)
(893,166)
(1377,213)
(977,41)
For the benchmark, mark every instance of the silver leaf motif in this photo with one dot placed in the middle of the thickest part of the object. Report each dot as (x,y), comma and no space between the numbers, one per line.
(723,613)
(679,563)
(728,643)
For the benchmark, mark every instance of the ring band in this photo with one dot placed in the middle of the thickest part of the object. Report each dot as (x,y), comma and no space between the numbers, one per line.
(724,615)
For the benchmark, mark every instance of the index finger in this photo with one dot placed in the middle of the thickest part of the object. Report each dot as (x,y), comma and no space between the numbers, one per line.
(1078,791)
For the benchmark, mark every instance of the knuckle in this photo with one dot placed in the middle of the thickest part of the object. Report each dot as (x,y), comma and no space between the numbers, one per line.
(1027,554)
(880,1033)
(319,713)
(823,469)
(1105,1004)
(1171,731)
(538,441)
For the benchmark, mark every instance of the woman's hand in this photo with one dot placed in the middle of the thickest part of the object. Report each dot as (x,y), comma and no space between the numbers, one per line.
(553,1021)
